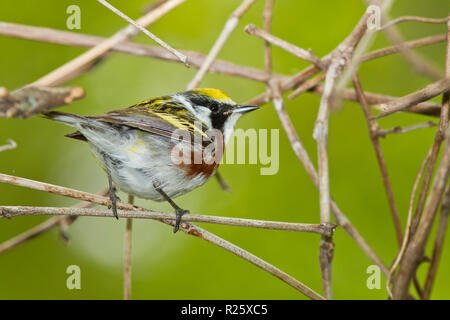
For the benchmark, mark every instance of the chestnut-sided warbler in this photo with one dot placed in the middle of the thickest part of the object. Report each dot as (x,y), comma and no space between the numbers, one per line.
(137,146)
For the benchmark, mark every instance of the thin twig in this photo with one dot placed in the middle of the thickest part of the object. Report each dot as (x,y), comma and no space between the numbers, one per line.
(415,250)
(196,59)
(267,19)
(438,243)
(412,18)
(405,102)
(417,61)
(383,52)
(405,240)
(308,85)
(44,227)
(28,101)
(176,53)
(70,68)
(377,100)
(230,25)
(141,213)
(397,130)
(373,130)
(11,145)
(144,214)
(127,255)
(306,55)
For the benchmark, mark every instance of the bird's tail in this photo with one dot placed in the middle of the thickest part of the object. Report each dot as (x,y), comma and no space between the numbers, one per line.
(69,119)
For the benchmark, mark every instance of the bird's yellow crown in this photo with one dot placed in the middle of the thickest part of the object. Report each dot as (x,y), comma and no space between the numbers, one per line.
(214,94)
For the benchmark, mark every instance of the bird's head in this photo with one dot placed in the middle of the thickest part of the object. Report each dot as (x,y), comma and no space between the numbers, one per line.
(213,107)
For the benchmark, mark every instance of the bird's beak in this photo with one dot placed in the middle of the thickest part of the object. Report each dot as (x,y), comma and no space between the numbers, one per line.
(244,109)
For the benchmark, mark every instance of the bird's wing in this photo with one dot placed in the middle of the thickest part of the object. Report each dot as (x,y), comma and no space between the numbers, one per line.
(160,116)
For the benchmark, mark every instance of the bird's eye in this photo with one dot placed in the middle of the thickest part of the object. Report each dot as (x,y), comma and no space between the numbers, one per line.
(213,107)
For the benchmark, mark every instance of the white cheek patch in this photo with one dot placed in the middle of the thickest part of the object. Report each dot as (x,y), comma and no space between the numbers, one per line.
(229,126)
(204,114)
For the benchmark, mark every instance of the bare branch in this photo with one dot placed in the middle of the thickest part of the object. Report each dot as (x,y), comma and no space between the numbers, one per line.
(176,53)
(412,18)
(398,129)
(407,44)
(196,59)
(405,239)
(267,19)
(141,213)
(29,101)
(373,130)
(377,100)
(415,250)
(292,49)
(230,25)
(405,102)
(438,243)
(127,255)
(44,227)
(72,67)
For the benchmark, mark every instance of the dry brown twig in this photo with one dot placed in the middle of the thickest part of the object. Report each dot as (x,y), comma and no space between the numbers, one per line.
(230,25)
(176,53)
(438,244)
(29,101)
(127,255)
(412,18)
(397,130)
(72,67)
(44,227)
(405,102)
(415,249)
(405,239)
(219,66)
(303,54)
(374,136)
(137,212)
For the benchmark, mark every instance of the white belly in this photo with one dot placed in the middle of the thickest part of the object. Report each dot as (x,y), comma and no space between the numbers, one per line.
(142,161)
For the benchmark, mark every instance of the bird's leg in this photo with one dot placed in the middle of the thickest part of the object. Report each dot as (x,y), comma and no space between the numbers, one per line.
(112,195)
(178,211)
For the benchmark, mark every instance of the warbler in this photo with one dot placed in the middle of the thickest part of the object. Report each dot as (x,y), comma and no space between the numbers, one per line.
(136,145)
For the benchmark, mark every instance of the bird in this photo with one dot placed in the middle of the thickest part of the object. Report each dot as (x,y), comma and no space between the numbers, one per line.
(139,146)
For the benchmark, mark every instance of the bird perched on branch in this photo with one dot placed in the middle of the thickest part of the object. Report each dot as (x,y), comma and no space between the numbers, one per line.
(160,148)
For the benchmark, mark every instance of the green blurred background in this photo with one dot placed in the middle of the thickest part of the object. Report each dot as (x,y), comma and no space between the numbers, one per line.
(167,266)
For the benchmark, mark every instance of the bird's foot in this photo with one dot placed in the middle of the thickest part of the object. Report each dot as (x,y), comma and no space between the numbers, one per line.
(179,213)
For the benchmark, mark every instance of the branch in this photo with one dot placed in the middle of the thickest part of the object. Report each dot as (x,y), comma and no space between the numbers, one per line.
(377,100)
(44,227)
(141,213)
(438,243)
(373,133)
(177,54)
(405,102)
(161,216)
(29,101)
(127,255)
(417,61)
(71,68)
(412,18)
(406,238)
(407,44)
(303,54)
(230,25)
(196,59)
(415,250)
(398,129)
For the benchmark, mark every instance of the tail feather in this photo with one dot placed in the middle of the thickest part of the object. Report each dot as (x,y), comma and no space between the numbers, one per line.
(70,119)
